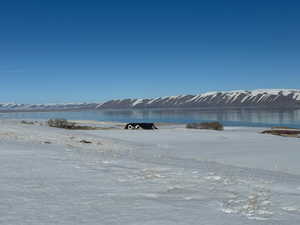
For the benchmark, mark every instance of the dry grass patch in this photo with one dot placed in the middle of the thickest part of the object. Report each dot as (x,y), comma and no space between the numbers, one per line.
(285,132)
(207,125)
(63,123)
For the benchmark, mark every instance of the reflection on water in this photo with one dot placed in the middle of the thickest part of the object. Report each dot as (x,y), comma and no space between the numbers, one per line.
(236,117)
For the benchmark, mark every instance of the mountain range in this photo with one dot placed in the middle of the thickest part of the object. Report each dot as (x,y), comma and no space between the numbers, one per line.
(261,98)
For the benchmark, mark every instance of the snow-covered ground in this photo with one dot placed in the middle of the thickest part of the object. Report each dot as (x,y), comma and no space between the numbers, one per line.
(168,176)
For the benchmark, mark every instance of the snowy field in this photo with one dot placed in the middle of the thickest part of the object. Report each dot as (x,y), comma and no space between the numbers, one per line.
(168,176)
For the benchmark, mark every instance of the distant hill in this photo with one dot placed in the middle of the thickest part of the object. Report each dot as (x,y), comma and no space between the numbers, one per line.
(262,98)
(12,107)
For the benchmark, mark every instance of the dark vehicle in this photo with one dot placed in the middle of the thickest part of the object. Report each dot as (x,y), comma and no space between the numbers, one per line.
(136,126)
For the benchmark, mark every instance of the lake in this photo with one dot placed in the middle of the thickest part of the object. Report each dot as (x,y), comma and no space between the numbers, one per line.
(232,117)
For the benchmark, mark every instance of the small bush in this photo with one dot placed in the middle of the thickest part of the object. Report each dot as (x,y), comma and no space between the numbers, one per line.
(208,125)
(27,122)
(61,123)
(85,142)
(284,132)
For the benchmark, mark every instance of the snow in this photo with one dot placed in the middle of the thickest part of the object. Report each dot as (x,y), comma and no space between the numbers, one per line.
(245,98)
(231,96)
(172,98)
(136,102)
(168,176)
(99,105)
(297,96)
(153,100)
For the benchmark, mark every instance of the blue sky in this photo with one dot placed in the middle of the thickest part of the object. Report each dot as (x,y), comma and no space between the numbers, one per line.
(66,51)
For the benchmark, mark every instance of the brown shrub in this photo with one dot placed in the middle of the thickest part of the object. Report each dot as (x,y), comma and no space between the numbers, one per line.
(283,132)
(60,123)
(207,125)
(63,123)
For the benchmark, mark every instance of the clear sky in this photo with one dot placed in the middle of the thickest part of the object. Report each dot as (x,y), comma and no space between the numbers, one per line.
(74,51)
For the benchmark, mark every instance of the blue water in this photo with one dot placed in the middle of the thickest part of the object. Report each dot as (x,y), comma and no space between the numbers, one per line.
(236,117)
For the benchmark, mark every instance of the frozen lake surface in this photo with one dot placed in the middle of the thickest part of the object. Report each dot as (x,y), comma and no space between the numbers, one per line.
(168,176)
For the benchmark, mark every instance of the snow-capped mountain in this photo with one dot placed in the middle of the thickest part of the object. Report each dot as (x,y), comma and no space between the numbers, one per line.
(13,107)
(256,98)
(274,98)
